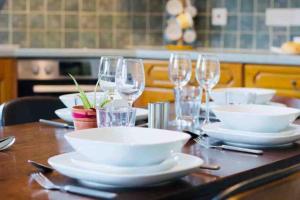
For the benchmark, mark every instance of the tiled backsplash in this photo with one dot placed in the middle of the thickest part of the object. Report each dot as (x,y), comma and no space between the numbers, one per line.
(122,23)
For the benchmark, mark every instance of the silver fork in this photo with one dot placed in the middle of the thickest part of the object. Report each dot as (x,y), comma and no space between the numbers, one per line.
(49,185)
(203,142)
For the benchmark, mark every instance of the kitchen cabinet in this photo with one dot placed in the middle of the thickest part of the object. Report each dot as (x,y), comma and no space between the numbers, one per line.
(8,79)
(159,87)
(285,79)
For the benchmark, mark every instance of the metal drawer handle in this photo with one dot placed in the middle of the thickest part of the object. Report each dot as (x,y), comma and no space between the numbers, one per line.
(294,85)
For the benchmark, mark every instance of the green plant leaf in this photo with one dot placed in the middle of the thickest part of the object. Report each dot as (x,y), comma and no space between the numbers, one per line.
(82,95)
(95,92)
(104,103)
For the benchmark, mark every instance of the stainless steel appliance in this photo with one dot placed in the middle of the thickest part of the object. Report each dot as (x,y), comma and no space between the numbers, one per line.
(50,76)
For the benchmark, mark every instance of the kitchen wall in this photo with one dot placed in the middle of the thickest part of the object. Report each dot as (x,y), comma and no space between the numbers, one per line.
(123,23)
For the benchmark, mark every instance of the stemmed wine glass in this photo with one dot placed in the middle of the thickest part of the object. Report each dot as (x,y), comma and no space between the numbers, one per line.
(130,79)
(207,75)
(180,68)
(107,72)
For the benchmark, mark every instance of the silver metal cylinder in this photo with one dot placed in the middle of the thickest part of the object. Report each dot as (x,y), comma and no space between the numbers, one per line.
(158,115)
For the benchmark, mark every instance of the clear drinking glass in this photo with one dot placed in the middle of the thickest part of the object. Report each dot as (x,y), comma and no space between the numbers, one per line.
(130,79)
(107,72)
(180,68)
(116,116)
(207,75)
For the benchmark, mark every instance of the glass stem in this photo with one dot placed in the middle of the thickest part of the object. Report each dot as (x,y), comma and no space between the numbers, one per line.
(177,102)
(130,103)
(207,106)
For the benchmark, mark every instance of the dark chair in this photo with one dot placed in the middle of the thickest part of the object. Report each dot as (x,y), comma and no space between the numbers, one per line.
(29,109)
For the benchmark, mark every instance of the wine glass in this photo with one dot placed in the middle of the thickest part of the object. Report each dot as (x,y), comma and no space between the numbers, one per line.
(207,75)
(107,73)
(180,68)
(130,79)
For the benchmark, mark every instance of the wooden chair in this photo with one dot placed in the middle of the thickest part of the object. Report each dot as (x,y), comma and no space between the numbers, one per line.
(29,109)
(277,185)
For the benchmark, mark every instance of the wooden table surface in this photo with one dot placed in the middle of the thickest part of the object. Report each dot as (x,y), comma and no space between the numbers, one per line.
(38,142)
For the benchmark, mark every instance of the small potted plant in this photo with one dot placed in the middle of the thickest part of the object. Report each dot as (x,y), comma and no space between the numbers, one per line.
(84,116)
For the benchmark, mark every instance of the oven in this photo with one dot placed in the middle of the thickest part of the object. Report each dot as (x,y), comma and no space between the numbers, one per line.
(50,76)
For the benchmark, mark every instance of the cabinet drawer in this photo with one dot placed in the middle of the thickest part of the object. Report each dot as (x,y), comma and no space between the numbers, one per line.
(285,79)
(154,95)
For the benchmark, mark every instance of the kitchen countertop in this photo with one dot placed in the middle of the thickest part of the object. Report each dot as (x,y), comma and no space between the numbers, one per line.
(255,57)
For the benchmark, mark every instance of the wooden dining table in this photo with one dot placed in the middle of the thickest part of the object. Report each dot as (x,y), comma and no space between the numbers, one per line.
(38,142)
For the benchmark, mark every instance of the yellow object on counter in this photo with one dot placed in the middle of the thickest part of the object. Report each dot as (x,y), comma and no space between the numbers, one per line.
(291,47)
(179,47)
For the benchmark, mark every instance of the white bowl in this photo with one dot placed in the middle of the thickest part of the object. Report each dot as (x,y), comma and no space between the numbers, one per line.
(242,95)
(257,118)
(64,114)
(71,100)
(127,146)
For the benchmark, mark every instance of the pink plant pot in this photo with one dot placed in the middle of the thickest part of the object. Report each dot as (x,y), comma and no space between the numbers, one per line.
(84,118)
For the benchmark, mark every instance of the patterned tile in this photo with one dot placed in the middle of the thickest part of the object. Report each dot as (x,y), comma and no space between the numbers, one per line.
(4,21)
(231,5)
(201,5)
(54,39)
(54,21)
(123,6)
(20,38)
(88,39)
(105,22)
(88,21)
(156,22)
(247,6)
(230,40)
(262,5)
(106,39)
(19,5)
(71,39)
(105,6)
(201,22)
(261,24)
(19,21)
(139,6)
(246,23)
(139,21)
(122,39)
(281,3)
(71,21)
(157,6)
(37,5)
(231,23)
(155,38)
(71,5)
(37,21)
(4,37)
(54,5)
(262,41)
(122,21)
(278,40)
(246,41)
(89,5)
(215,40)
(139,38)
(4,5)
(37,39)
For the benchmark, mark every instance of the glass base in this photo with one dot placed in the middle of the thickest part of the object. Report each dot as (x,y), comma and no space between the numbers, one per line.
(180,123)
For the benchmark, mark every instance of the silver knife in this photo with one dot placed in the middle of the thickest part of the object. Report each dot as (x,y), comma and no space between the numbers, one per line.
(57,124)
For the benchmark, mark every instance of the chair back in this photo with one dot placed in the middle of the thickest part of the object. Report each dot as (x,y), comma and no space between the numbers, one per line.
(29,109)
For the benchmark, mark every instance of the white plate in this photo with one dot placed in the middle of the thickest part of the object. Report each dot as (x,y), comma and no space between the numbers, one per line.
(66,114)
(63,164)
(82,161)
(215,130)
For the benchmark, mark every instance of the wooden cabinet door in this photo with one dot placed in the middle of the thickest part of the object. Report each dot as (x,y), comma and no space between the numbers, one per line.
(8,80)
(160,88)
(285,79)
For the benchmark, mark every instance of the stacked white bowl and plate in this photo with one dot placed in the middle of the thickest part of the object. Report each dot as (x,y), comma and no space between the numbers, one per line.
(258,124)
(70,100)
(125,157)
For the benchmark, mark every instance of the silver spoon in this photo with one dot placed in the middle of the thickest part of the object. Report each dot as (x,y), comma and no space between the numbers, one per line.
(4,144)
(47,169)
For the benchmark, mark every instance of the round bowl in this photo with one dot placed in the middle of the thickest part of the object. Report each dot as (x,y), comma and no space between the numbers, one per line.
(256,118)
(127,146)
(242,95)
